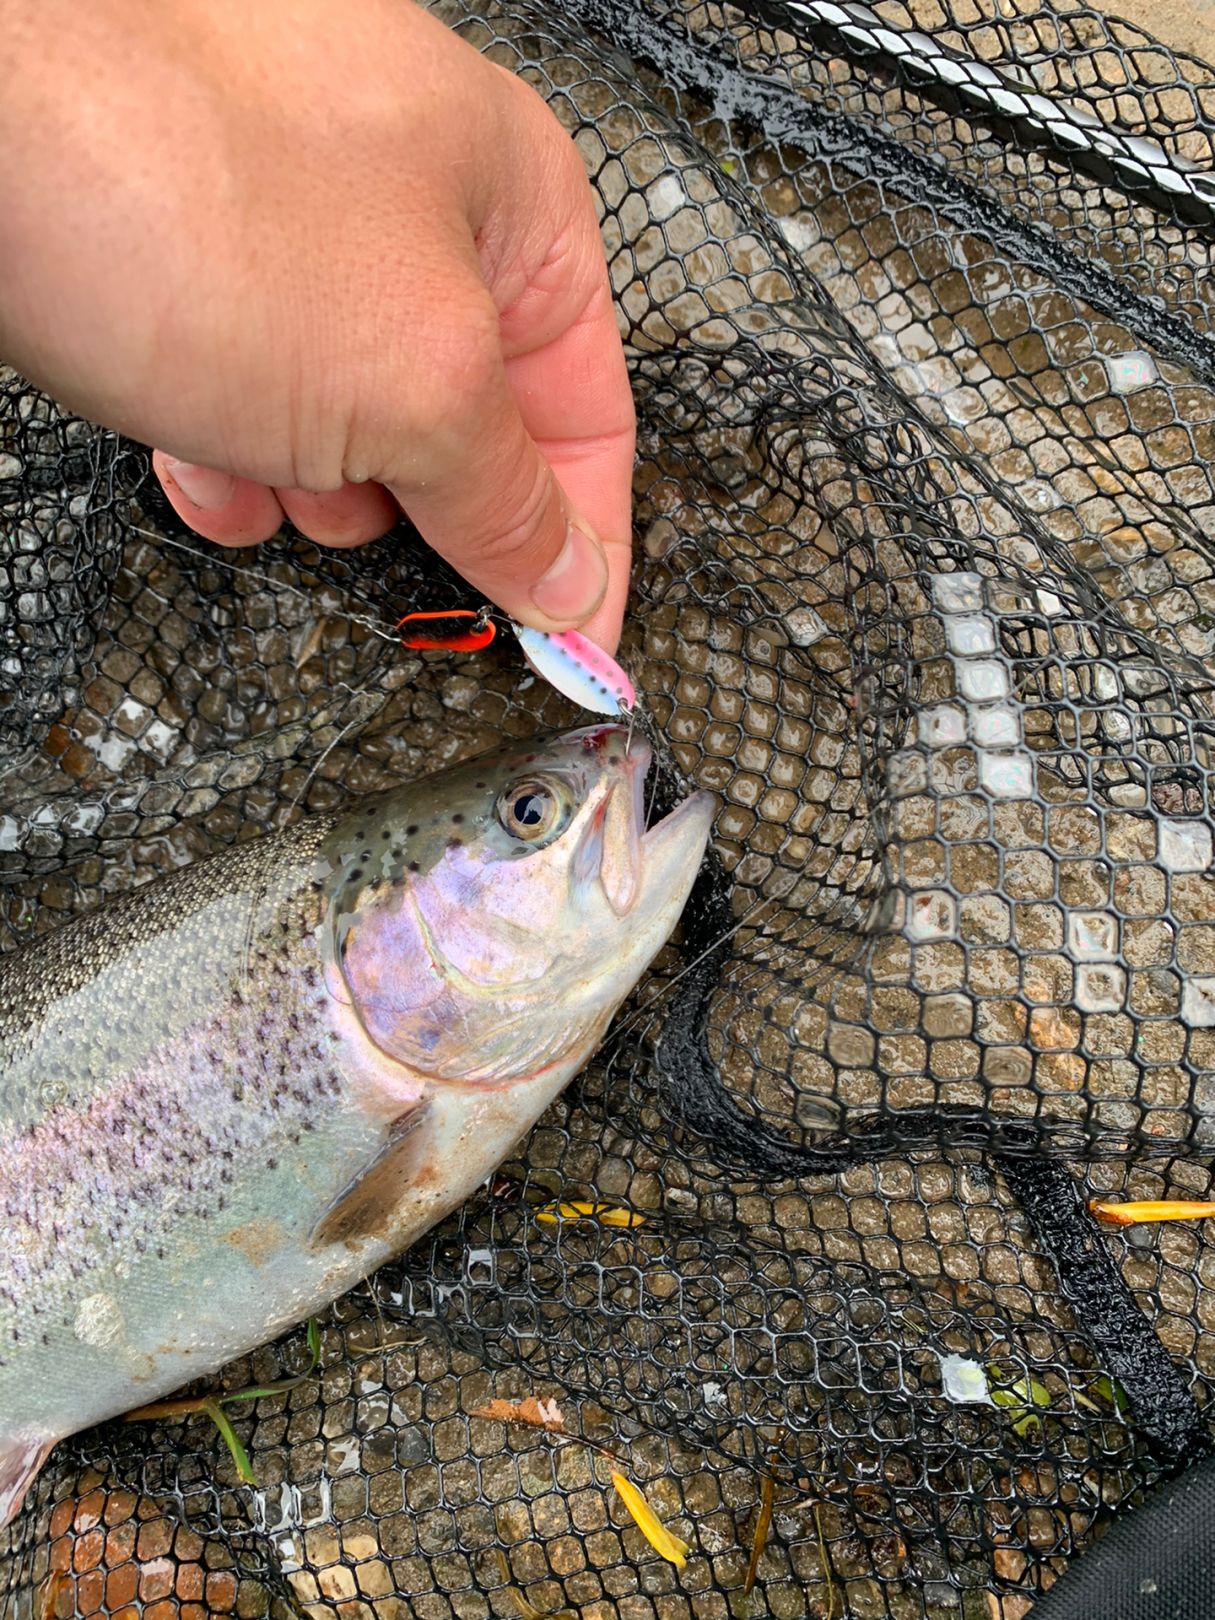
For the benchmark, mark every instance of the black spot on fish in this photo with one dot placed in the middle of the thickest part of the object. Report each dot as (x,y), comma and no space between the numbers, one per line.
(356,874)
(411,830)
(458,818)
(415,866)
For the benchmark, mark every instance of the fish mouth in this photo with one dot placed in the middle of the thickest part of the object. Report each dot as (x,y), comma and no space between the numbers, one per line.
(674,831)
(664,797)
(624,842)
(689,822)
(611,847)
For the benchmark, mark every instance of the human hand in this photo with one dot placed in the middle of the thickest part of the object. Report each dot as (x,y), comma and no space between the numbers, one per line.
(330,260)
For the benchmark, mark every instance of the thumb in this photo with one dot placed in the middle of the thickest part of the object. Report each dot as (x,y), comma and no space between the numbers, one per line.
(483,496)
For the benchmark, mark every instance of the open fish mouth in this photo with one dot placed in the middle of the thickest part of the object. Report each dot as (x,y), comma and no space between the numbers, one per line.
(664,794)
(657,791)
(633,825)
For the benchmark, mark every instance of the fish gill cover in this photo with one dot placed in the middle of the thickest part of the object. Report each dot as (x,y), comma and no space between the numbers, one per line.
(918,303)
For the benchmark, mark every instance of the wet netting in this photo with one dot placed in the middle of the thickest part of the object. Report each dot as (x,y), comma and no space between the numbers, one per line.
(920,311)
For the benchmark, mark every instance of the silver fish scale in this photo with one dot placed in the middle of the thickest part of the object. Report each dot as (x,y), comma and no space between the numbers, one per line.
(175,950)
(104,1115)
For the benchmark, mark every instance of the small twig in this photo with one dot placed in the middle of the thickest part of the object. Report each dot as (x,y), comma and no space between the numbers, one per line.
(759,1540)
(825,1562)
(1135,1211)
(212,1406)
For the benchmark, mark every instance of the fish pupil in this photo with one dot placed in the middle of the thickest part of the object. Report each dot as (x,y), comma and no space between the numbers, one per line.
(528,809)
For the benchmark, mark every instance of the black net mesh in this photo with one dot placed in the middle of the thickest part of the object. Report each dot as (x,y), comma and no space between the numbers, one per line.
(918,301)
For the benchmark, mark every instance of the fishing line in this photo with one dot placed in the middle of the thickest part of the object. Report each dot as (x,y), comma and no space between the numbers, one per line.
(378,627)
(312,774)
(709,950)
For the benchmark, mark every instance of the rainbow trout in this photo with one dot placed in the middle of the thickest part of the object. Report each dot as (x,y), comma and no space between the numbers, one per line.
(228,1096)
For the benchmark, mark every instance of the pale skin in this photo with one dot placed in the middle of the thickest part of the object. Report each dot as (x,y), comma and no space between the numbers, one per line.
(333,263)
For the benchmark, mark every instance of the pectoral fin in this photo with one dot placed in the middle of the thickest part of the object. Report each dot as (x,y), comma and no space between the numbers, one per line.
(20,1461)
(369,1205)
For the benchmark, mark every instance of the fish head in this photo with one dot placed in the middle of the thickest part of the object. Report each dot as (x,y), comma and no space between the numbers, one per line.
(487,922)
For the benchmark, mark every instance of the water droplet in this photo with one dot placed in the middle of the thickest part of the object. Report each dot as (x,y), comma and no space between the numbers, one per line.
(1092,936)
(1198,1003)
(958,593)
(942,726)
(932,915)
(998,727)
(1006,776)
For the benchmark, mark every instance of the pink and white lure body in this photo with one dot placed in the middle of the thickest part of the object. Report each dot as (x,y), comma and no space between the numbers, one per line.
(579,669)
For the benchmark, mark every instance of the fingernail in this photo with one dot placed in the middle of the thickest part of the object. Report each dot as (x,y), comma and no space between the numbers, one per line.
(573,587)
(204,486)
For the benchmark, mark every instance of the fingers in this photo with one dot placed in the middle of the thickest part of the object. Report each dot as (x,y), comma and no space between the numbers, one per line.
(237,512)
(349,516)
(234,511)
(566,368)
(505,428)
(510,533)
(605,623)
(576,405)
(483,495)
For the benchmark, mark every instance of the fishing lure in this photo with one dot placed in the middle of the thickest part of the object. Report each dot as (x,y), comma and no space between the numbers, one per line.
(452,630)
(567,660)
(579,669)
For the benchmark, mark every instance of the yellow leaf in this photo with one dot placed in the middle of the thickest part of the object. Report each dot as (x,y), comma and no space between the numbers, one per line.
(665,1544)
(1148,1209)
(760,1539)
(552,1213)
(618,1217)
(605,1214)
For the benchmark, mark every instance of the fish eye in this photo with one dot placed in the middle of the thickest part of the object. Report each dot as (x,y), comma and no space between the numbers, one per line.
(533,809)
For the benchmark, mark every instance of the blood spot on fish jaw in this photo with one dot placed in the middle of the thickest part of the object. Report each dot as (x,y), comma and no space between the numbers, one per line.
(596,740)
